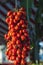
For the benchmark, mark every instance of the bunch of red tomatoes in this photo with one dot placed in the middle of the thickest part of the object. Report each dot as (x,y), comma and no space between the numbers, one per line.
(18,44)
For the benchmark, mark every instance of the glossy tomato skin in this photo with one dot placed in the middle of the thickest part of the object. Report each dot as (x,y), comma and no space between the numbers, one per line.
(18,42)
(17,18)
(12,58)
(18,60)
(18,51)
(23,37)
(9,13)
(23,62)
(7,20)
(19,13)
(14,13)
(19,56)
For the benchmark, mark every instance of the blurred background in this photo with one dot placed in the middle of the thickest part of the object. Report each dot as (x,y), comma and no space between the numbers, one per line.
(34,9)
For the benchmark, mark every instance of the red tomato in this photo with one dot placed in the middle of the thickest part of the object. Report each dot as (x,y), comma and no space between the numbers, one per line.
(23,37)
(14,38)
(18,35)
(14,51)
(20,46)
(17,18)
(21,32)
(23,56)
(24,26)
(12,26)
(15,62)
(14,46)
(24,30)
(16,27)
(18,51)
(9,53)
(25,49)
(23,62)
(12,16)
(7,20)
(12,58)
(19,56)
(14,13)
(13,34)
(12,30)
(26,34)
(22,22)
(19,13)
(9,13)
(18,59)
(19,25)
(15,22)
(28,47)
(18,42)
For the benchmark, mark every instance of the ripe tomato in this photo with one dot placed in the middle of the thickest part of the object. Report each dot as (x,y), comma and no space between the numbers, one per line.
(22,22)
(14,38)
(19,56)
(28,47)
(9,13)
(17,18)
(23,62)
(23,37)
(9,45)
(13,34)
(26,34)
(15,22)
(11,16)
(25,49)
(16,28)
(7,20)
(24,26)
(9,53)
(21,32)
(24,30)
(20,46)
(14,51)
(16,62)
(18,59)
(23,56)
(19,25)
(18,35)
(12,26)
(14,46)
(13,58)
(18,51)
(18,42)
(12,30)
(14,13)
(19,13)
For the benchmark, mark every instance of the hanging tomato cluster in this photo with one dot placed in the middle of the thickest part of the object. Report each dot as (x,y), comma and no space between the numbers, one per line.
(18,44)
